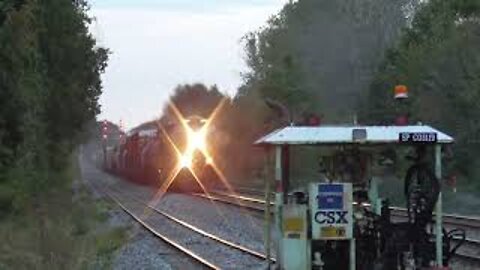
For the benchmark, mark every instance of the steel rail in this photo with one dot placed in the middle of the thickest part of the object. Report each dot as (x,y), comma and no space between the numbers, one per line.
(464,221)
(235,198)
(467,257)
(231,202)
(202,232)
(459,220)
(167,240)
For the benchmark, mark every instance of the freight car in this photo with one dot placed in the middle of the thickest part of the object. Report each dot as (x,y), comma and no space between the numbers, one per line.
(155,154)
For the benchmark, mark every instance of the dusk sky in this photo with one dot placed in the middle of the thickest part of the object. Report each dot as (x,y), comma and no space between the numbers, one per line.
(159,44)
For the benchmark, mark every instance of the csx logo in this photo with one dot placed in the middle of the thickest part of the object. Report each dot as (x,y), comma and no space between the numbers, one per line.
(331,217)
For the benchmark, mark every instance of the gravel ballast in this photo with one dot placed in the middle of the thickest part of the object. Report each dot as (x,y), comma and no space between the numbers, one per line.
(226,221)
(142,249)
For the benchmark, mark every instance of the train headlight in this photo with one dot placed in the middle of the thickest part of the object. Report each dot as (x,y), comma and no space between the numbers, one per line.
(197,140)
(209,161)
(186,161)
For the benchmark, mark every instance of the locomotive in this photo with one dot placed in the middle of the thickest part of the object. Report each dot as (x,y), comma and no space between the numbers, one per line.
(153,154)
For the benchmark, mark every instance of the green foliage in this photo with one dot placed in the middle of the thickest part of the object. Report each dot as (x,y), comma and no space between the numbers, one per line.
(438,58)
(111,241)
(50,82)
(318,55)
(61,234)
(195,99)
(338,58)
(314,56)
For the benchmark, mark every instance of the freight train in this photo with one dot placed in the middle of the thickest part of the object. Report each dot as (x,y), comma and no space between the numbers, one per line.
(175,155)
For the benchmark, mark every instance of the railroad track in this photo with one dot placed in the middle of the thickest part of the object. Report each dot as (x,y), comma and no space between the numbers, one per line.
(196,229)
(254,196)
(208,250)
(469,252)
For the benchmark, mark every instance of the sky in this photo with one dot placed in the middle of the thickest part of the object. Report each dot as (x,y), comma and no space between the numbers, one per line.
(159,44)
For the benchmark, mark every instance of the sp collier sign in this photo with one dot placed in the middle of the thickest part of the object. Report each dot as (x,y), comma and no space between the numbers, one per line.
(418,137)
(332,213)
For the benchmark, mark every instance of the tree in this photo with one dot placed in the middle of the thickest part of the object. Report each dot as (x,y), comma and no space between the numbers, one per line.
(50,71)
(319,56)
(438,58)
(314,56)
(196,99)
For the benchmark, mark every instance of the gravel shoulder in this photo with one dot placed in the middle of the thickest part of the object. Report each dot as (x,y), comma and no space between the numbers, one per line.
(142,250)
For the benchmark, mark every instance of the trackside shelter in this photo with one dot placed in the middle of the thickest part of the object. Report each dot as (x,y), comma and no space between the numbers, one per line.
(282,139)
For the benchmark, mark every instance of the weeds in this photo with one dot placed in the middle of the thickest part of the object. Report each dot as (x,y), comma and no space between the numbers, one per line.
(59,232)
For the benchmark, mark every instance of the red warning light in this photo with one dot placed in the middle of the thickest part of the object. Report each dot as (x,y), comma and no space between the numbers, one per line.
(104,129)
(401,120)
(401,92)
(313,120)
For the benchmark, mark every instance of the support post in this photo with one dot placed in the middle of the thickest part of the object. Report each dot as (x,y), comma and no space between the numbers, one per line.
(352,254)
(438,208)
(373,196)
(278,202)
(285,170)
(268,179)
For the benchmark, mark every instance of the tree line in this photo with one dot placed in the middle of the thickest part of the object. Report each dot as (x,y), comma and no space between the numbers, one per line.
(341,61)
(50,69)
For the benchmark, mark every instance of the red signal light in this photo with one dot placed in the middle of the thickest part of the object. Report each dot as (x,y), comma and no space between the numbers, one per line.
(104,129)
(401,92)
(401,120)
(313,120)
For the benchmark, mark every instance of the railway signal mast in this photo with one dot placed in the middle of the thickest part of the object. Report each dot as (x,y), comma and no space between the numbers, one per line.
(401,98)
(120,131)
(104,140)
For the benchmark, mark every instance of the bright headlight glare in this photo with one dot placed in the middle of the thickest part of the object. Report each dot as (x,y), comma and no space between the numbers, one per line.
(186,161)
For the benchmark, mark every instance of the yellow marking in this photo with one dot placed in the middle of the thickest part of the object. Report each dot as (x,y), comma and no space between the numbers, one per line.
(293,225)
(332,232)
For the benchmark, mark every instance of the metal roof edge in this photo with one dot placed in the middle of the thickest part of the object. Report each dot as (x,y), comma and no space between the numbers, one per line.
(264,140)
(261,140)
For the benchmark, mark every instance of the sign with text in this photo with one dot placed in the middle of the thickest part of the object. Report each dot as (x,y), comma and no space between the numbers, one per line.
(332,212)
(418,137)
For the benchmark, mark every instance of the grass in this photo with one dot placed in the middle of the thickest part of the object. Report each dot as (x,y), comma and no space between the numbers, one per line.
(59,231)
(109,242)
